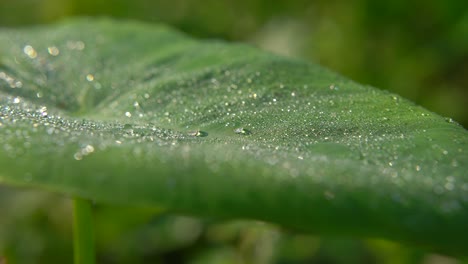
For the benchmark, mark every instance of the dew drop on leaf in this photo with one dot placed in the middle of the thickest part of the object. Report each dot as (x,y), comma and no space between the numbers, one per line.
(30,51)
(53,50)
(197,133)
(90,77)
(242,131)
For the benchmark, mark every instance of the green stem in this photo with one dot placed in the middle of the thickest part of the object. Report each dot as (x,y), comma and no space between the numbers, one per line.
(83,235)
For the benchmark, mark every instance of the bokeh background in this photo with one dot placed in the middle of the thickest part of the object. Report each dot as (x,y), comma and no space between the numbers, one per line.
(418,49)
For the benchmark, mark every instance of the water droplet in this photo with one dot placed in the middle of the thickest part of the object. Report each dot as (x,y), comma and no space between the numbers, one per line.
(242,131)
(84,151)
(449,120)
(43,111)
(78,156)
(197,133)
(333,87)
(30,51)
(88,149)
(54,51)
(10,80)
(90,77)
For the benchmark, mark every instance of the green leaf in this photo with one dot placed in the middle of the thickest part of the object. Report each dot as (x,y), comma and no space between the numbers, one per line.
(129,113)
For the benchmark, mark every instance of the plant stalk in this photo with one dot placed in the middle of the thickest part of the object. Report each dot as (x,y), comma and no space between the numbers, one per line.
(83,233)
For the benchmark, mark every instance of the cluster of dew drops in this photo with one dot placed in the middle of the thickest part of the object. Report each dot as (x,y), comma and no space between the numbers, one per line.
(88,149)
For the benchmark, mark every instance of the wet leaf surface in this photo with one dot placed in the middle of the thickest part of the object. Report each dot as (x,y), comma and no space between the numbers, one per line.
(130,113)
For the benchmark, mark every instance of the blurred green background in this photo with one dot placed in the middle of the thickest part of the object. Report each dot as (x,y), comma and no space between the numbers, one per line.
(418,49)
